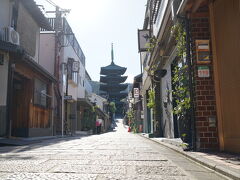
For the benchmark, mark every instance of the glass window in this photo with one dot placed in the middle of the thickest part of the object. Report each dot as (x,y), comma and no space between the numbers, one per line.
(40,93)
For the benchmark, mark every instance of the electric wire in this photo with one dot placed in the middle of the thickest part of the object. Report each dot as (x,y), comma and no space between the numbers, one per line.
(51,2)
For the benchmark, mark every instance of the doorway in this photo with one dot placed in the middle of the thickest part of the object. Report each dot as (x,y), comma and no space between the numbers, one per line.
(20,107)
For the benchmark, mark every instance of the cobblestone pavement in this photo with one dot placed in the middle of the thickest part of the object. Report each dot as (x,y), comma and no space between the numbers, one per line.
(114,155)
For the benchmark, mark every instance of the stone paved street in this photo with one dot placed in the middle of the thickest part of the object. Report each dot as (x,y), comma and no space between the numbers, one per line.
(113,155)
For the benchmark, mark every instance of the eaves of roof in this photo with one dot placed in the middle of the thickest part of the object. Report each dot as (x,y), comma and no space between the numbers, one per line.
(37,67)
(12,48)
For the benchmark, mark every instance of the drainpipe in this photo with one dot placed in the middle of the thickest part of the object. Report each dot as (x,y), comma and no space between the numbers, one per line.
(11,67)
(53,108)
(191,89)
(62,100)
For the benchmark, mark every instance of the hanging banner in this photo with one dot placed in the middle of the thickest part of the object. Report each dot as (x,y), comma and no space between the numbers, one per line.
(143,40)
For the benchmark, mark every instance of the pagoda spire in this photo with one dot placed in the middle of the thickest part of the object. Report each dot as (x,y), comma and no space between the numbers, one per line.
(112,54)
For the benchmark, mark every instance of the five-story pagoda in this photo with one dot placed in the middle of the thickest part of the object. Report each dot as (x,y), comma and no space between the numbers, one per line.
(112,84)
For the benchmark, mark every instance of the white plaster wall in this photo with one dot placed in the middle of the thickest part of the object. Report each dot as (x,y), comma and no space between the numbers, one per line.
(98,99)
(72,90)
(76,90)
(5,13)
(4,80)
(166,93)
(47,51)
(81,92)
(82,82)
(36,57)
(88,86)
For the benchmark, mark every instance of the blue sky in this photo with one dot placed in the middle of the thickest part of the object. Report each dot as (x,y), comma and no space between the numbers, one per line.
(98,23)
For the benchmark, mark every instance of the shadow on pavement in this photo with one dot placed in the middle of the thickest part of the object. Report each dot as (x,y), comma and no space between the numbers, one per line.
(33,144)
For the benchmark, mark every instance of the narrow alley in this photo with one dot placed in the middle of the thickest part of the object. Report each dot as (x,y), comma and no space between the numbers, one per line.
(113,155)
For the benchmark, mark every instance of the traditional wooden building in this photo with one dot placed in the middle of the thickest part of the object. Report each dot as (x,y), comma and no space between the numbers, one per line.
(30,87)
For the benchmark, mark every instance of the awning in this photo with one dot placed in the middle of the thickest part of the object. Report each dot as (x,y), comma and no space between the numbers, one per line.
(26,59)
(84,102)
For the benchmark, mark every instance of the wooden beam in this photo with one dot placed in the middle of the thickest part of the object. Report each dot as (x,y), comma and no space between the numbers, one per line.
(197,5)
(216,79)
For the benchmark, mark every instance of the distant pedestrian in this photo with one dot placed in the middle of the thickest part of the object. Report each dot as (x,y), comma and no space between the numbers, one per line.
(99,125)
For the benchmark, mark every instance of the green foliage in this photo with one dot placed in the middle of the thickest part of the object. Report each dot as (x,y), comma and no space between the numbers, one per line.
(152,44)
(184,145)
(130,115)
(180,78)
(112,107)
(89,118)
(181,90)
(151,99)
(184,135)
(131,119)
(180,36)
(134,128)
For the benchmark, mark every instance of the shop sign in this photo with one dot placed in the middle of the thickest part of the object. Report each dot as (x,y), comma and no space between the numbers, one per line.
(203,71)
(136,92)
(203,51)
(143,39)
(69,97)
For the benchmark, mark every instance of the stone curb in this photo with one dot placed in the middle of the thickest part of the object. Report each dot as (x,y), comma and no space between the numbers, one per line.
(218,167)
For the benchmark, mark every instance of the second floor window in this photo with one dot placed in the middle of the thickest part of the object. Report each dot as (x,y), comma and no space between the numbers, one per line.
(40,93)
(72,74)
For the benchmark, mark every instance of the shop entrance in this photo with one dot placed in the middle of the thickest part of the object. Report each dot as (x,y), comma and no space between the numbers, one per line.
(20,107)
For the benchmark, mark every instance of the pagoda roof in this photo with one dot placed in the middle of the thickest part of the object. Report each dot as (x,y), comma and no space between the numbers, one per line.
(113,87)
(113,69)
(112,79)
(118,95)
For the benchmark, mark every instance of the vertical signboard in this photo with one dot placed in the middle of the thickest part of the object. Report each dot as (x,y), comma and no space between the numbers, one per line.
(203,51)
(203,71)
(143,39)
(136,92)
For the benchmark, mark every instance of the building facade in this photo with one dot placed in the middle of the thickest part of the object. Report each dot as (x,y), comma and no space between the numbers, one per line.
(192,96)
(27,93)
(61,46)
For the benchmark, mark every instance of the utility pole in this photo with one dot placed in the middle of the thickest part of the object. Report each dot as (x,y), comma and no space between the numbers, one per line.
(59,66)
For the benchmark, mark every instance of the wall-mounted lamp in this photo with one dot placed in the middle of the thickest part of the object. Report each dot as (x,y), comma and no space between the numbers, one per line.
(158,74)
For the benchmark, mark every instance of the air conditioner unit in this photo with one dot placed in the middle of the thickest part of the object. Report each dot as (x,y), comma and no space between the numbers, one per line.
(10,35)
